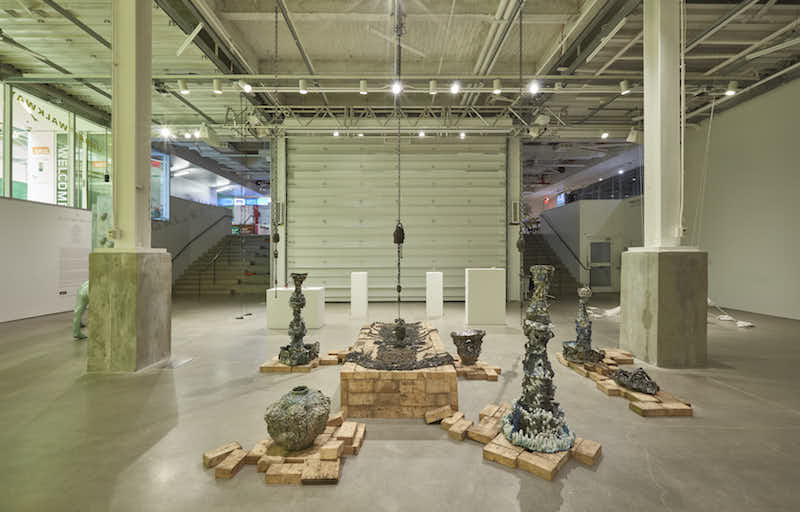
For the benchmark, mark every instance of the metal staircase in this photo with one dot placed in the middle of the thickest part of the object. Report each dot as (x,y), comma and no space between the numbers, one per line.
(236,265)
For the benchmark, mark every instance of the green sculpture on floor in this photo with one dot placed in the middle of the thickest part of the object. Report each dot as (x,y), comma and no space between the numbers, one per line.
(81,303)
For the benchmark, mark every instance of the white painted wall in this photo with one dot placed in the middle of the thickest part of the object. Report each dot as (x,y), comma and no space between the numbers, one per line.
(187,220)
(192,190)
(43,258)
(565,221)
(748,220)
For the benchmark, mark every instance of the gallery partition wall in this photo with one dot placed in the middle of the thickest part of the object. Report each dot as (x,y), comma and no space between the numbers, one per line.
(341,210)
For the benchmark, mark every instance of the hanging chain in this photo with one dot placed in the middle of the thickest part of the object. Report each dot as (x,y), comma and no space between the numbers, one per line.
(399,233)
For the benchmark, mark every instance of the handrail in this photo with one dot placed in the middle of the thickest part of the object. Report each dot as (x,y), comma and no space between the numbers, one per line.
(213,263)
(555,231)
(190,242)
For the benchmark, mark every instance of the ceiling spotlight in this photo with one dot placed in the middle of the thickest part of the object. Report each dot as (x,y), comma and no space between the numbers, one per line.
(455,87)
(196,134)
(604,135)
(303,86)
(165,132)
(183,88)
(336,134)
(462,135)
(247,88)
(733,87)
(187,135)
(599,179)
(497,87)
(217,86)
(624,87)
(362,87)
(635,136)
(397,87)
(421,133)
(620,171)
(433,85)
(533,87)
(360,134)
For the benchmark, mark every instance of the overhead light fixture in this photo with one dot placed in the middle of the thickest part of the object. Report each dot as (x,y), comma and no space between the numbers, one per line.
(421,133)
(455,87)
(217,86)
(433,85)
(303,86)
(533,87)
(165,132)
(733,88)
(620,171)
(225,187)
(336,134)
(247,88)
(181,173)
(187,135)
(624,87)
(599,179)
(397,87)
(604,135)
(196,134)
(497,87)
(462,135)
(360,134)
(362,87)
(183,88)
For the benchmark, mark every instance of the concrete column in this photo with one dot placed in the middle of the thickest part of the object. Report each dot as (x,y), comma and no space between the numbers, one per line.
(130,294)
(278,193)
(513,200)
(663,285)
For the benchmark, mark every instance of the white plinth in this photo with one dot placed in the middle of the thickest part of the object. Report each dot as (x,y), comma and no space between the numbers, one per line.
(359,296)
(485,296)
(434,294)
(279,314)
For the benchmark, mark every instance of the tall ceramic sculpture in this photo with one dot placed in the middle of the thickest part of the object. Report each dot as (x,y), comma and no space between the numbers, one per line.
(536,421)
(580,350)
(296,352)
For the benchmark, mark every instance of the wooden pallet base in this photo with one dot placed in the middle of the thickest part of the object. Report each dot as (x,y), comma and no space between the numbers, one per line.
(659,405)
(275,366)
(317,465)
(499,450)
(478,371)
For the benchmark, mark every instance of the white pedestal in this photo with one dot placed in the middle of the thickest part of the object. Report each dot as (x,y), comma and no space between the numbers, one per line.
(434,294)
(279,313)
(359,296)
(484,296)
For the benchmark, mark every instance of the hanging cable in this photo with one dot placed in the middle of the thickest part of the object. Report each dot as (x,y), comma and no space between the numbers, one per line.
(682,224)
(274,207)
(399,233)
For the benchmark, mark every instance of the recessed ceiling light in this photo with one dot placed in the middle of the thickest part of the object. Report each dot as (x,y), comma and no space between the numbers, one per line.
(599,179)
(360,134)
(181,173)
(197,134)
(620,171)
(165,132)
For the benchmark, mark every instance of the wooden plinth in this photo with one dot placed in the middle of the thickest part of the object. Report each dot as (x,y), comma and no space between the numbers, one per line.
(478,371)
(367,393)
(318,464)
(275,366)
(661,404)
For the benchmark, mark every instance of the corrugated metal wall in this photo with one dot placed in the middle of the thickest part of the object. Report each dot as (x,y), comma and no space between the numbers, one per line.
(342,210)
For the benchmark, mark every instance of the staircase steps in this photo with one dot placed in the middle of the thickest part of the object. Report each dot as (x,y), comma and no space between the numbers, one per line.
(538,252)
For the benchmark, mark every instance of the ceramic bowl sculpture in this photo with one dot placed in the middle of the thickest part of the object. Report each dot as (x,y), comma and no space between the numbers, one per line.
(298,418)
(468,344)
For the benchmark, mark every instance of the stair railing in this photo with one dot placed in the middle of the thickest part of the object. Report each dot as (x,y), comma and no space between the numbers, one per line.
(213,263)
(190,242)
(558,235)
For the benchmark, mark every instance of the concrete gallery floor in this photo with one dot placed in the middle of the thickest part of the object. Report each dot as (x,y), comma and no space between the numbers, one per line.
(134,442)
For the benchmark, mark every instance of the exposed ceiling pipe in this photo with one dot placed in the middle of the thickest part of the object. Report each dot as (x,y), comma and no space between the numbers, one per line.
(780,46)
(69,16)
(446,35)
(502,37)
(501,8)
(719,24)
(753,46)
(621,52)
(293,31)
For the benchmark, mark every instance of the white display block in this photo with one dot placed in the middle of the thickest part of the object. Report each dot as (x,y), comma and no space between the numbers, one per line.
(434,294)
(279,313)
(485,296)
(359,297)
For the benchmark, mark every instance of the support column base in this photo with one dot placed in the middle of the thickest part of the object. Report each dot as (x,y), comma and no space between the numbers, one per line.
(663,305)
(130,310)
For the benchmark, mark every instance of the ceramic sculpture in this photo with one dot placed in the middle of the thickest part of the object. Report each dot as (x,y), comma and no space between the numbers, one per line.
(536,421)
(295,421)
(296,352)
(468,344)
(81,303)
(580,350)
(637,380)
